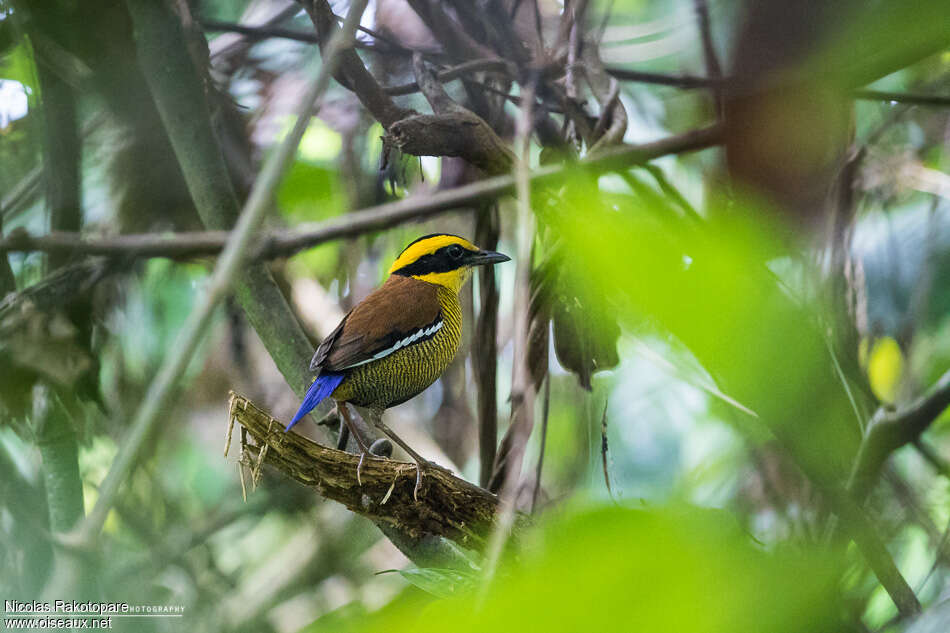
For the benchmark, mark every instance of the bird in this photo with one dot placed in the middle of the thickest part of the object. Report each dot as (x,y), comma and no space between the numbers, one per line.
(398,340)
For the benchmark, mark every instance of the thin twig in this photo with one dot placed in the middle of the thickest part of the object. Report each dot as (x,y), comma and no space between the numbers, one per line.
(230,263)
(462,70)
(604,450)
(485,353)
(259,32)
(577,127)
(7,279)
(932,457)
(522,387)
(909,98)
(685,82)
(939,556)
(266,31)
(672,192)
(545,410)
(713,69)
(693,82)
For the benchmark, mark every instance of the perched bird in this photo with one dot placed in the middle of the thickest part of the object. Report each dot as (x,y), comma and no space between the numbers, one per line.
(400,338)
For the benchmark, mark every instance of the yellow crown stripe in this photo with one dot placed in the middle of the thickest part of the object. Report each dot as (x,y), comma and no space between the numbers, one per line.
(427,247)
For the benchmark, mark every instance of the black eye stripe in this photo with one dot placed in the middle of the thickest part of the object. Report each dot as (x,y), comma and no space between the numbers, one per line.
(441,261)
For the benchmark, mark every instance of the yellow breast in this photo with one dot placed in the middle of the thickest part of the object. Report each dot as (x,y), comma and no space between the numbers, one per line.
(408,371)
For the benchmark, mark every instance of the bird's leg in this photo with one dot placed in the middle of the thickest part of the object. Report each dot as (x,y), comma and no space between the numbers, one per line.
(344,434)
(421,462)
(345,414)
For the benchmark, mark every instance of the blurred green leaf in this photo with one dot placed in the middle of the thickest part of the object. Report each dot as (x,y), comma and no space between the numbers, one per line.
(710,286)
(17,64)
(310,193)
(441,583)
(338,620)
(616,569)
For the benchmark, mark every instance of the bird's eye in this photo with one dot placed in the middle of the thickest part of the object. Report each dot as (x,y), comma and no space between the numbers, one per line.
(455,251)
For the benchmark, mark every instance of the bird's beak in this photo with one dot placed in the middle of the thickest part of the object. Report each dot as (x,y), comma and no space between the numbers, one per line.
(482,258)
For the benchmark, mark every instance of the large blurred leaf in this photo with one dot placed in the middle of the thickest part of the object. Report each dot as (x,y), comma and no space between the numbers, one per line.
(709,286)
(310,192)
(620,570)
(585,324)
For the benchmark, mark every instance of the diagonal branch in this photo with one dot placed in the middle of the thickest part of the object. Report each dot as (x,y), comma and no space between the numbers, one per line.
(352,73)
(890,430)
(448,506)
(155,29)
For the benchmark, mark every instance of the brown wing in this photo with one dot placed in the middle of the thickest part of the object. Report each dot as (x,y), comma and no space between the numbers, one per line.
(398,309)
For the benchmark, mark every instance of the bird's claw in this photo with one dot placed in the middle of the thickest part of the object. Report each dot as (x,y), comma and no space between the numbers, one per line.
(420,467)
(381,448)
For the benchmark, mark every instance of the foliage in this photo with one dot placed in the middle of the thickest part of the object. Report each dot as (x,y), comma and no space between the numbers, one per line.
(714,333)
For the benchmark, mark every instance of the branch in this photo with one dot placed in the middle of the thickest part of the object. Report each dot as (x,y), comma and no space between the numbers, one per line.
(22,193)
(275,244)
(462,70)
(453,37)
(910,98)
(485,353)
(713,68)
(607,92)
(7,280)
(259,32)
(862,532)
(692,82)
(452,131)
(352,73)
(55,291)
(448,506)
(686,82)
(522,386)
(267,31)
(890,430)
(55,435)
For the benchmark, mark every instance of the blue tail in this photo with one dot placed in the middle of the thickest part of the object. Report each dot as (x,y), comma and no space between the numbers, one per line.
(322,387)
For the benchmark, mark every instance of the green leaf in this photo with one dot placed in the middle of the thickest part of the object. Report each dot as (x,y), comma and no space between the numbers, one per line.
(346,618)
(310,193)
(441,583)
(618,569)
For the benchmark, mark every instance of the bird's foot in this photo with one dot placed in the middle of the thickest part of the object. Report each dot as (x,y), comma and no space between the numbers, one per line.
(421,463)
(359,467)
(421,466)
(381,448)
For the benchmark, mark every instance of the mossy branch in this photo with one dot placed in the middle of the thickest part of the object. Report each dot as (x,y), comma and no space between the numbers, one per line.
(448,506)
